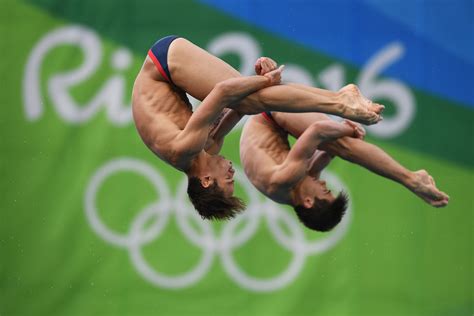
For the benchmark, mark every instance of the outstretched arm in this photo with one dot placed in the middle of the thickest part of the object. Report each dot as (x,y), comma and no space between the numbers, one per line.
(296,164)
(225,94)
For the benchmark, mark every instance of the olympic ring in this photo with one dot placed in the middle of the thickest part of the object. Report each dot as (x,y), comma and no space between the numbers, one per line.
(207,239)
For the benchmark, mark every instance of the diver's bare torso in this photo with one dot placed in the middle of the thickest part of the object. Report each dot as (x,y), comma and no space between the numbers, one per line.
(160,112)
(271,147)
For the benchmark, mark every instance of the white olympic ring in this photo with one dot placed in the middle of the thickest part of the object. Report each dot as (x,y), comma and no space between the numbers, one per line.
(210,244)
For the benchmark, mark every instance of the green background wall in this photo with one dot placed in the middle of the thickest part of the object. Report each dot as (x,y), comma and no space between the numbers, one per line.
(91,223)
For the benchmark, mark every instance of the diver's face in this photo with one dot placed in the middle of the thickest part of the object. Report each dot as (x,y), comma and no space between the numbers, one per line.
(318,189)
(222,172)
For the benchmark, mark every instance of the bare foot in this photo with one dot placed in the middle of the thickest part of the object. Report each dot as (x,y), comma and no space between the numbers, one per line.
(425,188)
(358,108)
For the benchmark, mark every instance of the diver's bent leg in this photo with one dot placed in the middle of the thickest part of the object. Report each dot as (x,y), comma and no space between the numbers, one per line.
(350,96)
(296,123)
(195,70)
(199,78)
(328,93)
(378,161)
(370,157)
(283,98)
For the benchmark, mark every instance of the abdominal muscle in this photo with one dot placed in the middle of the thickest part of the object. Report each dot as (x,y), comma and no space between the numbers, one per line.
(160,112)
(262,148)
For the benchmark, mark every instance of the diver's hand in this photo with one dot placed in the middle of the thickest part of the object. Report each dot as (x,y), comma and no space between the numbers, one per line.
(264,65)
(275,75)
(359,131)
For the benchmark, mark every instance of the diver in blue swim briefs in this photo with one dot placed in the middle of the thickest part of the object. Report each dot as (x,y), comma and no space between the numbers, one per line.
(191,141)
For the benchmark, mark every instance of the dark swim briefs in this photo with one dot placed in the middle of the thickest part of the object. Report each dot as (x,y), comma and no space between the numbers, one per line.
(269,117)
(159,54)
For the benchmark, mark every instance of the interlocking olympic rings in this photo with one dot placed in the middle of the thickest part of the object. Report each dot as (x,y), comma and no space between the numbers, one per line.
(208,241)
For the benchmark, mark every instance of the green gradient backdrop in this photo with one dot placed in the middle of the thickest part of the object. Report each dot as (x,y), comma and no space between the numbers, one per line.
(397,257)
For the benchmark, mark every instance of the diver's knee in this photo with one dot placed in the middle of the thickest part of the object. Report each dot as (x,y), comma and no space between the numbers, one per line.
(343,147)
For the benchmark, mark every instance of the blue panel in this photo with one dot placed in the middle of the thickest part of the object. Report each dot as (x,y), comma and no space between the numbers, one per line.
(449,24)
(354,30)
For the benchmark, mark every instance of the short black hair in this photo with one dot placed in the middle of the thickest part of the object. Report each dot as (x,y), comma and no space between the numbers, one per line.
(323,216)
(211,203)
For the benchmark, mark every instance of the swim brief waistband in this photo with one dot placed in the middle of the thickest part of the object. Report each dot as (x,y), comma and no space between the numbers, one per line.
(269,117)
(159,54)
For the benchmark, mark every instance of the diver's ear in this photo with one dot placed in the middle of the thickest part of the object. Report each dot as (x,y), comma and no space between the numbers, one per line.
(308,202)
(206,181)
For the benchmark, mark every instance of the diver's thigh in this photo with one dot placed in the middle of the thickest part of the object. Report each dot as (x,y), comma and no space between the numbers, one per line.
(296,123)
(195,70)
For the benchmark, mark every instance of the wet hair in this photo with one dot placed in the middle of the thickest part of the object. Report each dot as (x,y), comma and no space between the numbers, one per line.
(211,203)
(323,216)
